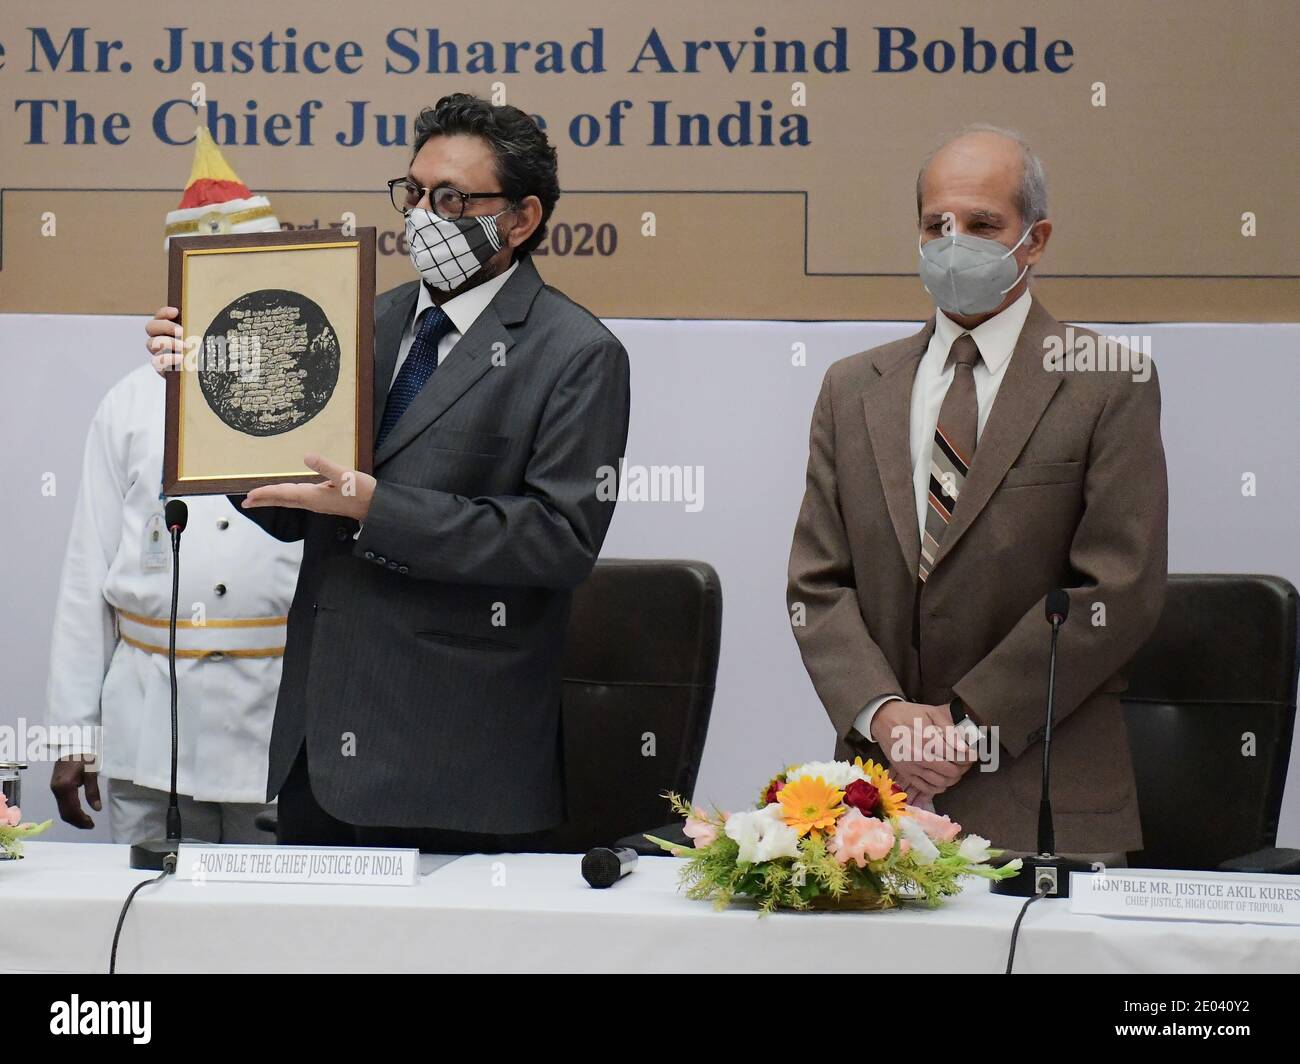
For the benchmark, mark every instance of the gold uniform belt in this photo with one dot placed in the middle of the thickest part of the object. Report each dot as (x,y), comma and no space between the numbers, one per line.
(234,637)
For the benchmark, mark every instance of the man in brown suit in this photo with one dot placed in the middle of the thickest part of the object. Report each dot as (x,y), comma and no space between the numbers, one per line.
(956,477)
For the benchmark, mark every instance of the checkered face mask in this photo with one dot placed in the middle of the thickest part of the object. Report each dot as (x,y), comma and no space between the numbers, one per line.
(447,254)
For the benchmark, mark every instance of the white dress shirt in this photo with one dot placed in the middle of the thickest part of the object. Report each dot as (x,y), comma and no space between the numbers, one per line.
(463,310)
(996,339)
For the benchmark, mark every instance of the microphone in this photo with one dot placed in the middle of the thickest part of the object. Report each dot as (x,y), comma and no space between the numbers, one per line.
(603,866)
(157,855)
(176,515)
(1057,607)
(1046,873)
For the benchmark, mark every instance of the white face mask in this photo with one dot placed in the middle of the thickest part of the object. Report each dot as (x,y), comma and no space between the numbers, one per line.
(449,253)
(968,274)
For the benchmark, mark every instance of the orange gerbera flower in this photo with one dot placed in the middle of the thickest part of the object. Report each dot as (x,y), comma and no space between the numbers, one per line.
(810,804)
(892,799)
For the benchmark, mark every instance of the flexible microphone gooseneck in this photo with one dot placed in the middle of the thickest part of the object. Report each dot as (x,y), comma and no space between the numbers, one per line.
(154,854)
(1057,610)
(1046,874)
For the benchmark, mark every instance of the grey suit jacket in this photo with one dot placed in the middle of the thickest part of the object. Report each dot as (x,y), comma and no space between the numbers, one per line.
(1067,489)
(422,666)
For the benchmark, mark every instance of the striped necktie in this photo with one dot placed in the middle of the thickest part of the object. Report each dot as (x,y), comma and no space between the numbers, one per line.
(954,448)
(416,370)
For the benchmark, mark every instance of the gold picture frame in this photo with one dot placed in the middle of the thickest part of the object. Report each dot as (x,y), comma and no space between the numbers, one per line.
(279,358)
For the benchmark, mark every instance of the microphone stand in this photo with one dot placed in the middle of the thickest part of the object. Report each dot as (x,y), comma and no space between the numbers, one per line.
(158,855)
(1047,873)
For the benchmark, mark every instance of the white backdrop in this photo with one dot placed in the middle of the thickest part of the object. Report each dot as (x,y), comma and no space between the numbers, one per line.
(732,399)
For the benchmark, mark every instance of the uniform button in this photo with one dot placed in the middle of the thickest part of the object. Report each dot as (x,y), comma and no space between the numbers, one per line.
(220,589)
(223,524)
(370,556)
(216,655)
(403,569)
(381,560)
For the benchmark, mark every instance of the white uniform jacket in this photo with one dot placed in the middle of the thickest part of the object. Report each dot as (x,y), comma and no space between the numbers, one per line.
(108,661)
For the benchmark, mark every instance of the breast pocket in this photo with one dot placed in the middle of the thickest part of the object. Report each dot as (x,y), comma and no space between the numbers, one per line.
(1023,476)
(464,640)
(464,441)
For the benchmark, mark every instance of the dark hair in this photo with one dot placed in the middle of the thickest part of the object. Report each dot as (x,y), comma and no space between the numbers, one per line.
(525,160)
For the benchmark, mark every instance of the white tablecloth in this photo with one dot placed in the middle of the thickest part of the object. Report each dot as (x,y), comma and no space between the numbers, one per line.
(534,913)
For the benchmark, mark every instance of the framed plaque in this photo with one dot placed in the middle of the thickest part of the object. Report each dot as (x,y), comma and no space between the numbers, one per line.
(279,345)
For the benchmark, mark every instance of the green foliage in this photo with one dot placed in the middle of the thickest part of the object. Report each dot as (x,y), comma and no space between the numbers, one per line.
(11,839)
(715,873)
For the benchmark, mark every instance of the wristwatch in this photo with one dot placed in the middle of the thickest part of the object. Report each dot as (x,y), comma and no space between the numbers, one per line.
(964,723)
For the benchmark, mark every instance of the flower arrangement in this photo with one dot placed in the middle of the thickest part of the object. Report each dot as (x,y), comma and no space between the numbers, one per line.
(13,830)
(829,835)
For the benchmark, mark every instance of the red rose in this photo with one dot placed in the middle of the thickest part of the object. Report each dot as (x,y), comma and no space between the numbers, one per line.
(862,796)
(773,789)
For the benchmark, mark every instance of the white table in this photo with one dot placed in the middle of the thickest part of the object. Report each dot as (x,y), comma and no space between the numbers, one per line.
(534,913)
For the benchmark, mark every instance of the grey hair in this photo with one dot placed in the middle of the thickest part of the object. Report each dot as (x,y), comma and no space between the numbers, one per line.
(1031,197)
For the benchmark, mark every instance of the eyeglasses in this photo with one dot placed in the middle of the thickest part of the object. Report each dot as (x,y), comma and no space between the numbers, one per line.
(448,201)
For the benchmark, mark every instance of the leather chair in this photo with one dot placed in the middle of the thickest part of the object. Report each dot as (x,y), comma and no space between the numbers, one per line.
(639,673)
(1211,707)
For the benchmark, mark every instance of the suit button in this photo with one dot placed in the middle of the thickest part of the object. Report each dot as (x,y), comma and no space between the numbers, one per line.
(223,524)
(220,589)
(370,556)
(381,560)
(403,569)
(341,533)
(313,607)
(393,566)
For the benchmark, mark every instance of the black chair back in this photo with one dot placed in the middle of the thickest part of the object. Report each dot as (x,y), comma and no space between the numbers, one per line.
(1211,708)
(639,673)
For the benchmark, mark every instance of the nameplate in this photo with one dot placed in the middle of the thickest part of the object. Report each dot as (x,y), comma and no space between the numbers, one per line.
(1224,897)
(360,866)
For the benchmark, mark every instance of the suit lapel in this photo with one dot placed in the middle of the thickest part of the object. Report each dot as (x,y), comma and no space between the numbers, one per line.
(888,409)
(488,339)
(388,338)
(1022,397)
(468,361)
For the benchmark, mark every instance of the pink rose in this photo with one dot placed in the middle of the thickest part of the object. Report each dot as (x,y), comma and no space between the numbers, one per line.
(939,828)
(860,839)
(699,829)
(11,816)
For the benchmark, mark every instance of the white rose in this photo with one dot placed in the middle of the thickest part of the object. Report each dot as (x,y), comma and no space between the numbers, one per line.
(762,835)
(743,829)
(974,849)
(777,838)
(839,774)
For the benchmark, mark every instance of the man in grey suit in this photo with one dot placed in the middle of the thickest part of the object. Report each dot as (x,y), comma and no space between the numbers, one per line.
(420,699)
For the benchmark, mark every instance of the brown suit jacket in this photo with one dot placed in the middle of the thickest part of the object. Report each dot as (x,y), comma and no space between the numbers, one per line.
(1067,489)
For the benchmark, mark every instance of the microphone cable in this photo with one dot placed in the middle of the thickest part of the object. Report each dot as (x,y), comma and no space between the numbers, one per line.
(1015,931)
(169,868)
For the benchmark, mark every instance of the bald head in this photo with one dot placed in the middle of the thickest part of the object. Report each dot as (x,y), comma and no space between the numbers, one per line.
(986,182)
(986,162)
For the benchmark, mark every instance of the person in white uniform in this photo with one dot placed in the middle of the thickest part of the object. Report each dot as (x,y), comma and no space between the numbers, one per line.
(109,692)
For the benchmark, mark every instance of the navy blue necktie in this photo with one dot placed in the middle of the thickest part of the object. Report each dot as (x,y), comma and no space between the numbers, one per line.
(417,368)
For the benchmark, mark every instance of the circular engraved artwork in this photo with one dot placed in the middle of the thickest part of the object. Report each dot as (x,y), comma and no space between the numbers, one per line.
(270,362)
